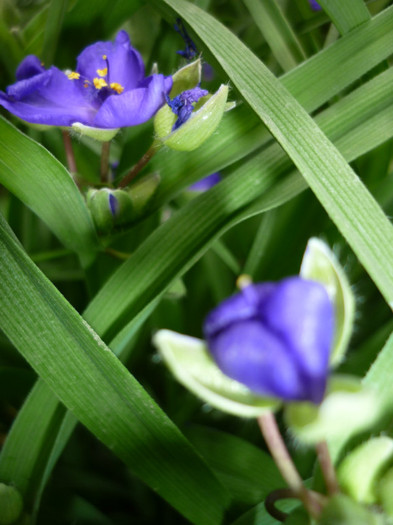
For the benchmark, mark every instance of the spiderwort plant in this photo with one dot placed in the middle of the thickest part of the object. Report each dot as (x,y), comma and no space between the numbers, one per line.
(108,90)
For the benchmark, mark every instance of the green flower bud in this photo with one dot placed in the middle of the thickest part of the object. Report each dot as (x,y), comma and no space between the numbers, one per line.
(347,405)
(110,208)
(196,127)
(11,504)
(341,510)
(359,472)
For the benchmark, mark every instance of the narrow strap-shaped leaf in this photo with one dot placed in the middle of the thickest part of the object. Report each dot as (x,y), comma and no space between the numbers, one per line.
(56,12)
(239,134)
(173,247)
(38,437)
(270,19)
(347,201)
(31,173)
(372,98)
(98,389)
(346,15)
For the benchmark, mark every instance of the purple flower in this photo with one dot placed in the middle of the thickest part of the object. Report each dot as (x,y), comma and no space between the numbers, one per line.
(108,89)
(314,5)
(206,183)
(275,338)
(182,105)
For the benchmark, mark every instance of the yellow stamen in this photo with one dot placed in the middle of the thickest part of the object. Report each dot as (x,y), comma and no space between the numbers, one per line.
(117,87)
(73,75)
(99,83)
(102,72)
(104,57)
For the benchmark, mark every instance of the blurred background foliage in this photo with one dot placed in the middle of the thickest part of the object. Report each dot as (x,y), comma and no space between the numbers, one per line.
(89,485)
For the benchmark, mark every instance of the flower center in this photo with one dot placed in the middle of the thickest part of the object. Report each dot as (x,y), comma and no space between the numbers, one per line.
(101,81)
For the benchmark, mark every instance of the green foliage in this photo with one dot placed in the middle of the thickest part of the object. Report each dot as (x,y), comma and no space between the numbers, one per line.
(306,154)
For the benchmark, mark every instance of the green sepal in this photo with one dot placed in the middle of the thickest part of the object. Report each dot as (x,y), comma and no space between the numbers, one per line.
(298,517)
(99,206)
(101,134)
(186,78)
(191,363)
(348,407)
(341,510)
(360,471)
(11,504)
(197,129)
(384,491)
(320,264)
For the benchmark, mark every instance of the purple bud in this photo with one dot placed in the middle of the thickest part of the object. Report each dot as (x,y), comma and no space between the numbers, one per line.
(206,183)
(182,105)
(275,338)
(113,204)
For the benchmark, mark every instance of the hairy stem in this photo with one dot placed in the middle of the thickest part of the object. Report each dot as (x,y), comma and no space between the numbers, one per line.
(327,468)
(139,165)
(69,152)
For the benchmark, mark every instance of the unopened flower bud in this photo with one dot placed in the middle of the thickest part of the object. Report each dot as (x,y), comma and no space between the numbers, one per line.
(11,504)
(184,127)
(110,208)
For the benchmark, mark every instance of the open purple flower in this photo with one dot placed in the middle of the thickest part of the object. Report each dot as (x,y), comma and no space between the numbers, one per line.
(275,338)
(108,89)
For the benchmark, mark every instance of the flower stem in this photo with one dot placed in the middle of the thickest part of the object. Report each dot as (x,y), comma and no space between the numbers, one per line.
(283,460)
(327,468)
(104,168)
(139,165)
(69,153)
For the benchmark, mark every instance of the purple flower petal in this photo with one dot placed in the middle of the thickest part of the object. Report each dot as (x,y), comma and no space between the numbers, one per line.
(29,67)
(275,338)
(135,106)
(49,98)
(123,63)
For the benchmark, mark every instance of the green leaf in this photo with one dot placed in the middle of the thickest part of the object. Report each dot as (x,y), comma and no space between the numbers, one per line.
(320,264)
(283,42)
(346,15)
(340,191)
(248,472)
(191,363)
(31,173)
(95,386)
(54,21)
